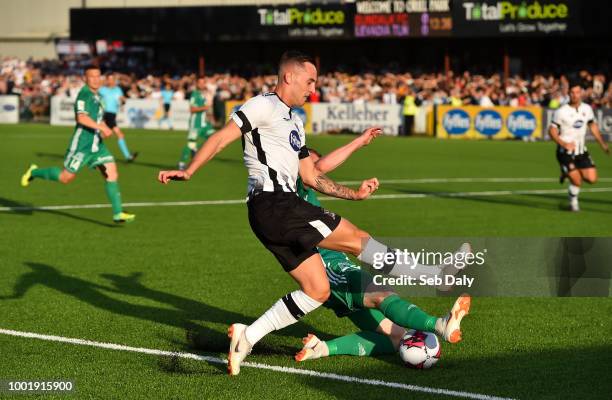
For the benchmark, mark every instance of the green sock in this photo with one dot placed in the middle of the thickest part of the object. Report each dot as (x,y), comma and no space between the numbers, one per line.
(361,344)
(49,174)
(407,315)
(114,195)
(185,154)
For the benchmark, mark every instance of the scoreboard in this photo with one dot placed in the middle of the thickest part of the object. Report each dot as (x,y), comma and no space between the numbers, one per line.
(361,19)
(410,18)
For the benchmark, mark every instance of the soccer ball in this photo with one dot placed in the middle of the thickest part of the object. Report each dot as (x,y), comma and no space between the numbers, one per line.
(419,349)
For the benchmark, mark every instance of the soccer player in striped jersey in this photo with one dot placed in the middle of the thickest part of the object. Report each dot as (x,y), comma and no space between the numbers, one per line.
(275,152)
(199,128)
(87,148)
(568,129)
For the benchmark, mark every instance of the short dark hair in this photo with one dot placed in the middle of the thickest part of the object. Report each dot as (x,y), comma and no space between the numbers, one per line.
(90,66)
(575,82)
(294,56)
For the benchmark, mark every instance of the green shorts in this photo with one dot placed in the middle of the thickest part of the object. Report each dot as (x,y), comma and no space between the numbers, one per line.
(75,160)
(202,133)
(348,283)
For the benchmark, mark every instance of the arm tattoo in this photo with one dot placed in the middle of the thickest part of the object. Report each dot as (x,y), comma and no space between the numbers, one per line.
(325,185)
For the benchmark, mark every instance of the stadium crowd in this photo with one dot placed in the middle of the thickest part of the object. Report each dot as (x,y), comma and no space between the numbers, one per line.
(36,81)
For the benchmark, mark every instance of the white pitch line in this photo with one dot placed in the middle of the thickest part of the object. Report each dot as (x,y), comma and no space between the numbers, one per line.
(466,180)
(325,198)
(276,368)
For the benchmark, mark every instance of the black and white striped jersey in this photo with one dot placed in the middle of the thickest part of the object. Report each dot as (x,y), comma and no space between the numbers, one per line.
(573,124)
(273,141)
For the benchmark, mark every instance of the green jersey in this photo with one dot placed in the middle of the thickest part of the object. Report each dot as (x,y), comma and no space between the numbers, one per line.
(197,119)
(86,146)
(89,103)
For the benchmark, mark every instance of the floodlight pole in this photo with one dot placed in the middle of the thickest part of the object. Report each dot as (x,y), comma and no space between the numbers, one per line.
(506,62)
(447,66)
(201,65)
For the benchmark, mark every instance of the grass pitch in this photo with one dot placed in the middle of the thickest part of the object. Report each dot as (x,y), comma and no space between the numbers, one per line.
(180,274)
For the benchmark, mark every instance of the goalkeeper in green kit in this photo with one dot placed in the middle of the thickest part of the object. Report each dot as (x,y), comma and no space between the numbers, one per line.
(199,128)
(86,147)
(380,314)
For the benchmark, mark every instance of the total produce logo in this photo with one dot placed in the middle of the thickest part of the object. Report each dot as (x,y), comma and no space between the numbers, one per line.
(506,10)
(295,16)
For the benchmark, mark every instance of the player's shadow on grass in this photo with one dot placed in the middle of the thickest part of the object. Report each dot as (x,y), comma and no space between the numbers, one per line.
(120,161)
(228,160)
(200,337)
(190,315)
(531,202)
(19,208)
(563,198)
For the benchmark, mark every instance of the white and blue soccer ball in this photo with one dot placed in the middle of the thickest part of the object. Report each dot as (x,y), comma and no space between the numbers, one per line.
(420,350)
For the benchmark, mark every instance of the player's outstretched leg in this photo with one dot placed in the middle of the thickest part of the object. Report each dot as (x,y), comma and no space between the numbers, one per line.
(405,314)
(239,348)
(111,186)
(187,153)
(573,189)
(27,177)
(350,239)
(313,348)
(49,174)
(311,276)
(54,174)
(449,327)
(364,343)
(453,267)
(409,316)
(129,157)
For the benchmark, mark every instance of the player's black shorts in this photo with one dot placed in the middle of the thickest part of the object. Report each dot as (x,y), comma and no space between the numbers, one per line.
(167,107)
(110,119)
(288,226)
(570,162)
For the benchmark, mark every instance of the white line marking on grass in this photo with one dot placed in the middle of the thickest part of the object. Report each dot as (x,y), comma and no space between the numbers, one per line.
(140,204)
(325,198)
(287,370)
(466,180)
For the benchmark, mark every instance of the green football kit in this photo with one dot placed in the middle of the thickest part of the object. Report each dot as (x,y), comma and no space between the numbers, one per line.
(199,129)
(348,284)
(86,146)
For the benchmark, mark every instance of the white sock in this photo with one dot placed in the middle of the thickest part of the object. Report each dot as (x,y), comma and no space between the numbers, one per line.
(441,326)
(321,350)
(373,252)
(573,190)
(284,312)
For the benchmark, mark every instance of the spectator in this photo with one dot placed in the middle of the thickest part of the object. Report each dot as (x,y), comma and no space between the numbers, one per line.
(36,81)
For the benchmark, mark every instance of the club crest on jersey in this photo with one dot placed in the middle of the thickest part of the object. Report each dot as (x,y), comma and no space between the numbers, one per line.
(295,141)
(331,214)
(578,124)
